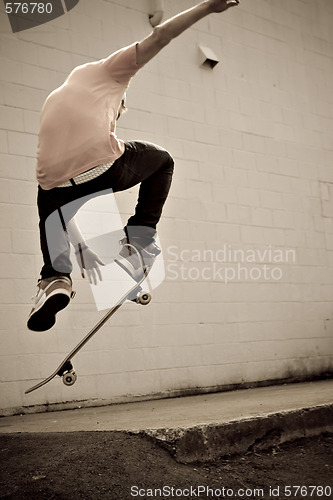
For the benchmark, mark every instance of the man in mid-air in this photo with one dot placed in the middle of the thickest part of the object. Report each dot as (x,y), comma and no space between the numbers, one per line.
(79,155)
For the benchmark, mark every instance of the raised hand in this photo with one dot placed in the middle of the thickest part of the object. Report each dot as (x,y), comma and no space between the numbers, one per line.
(222,5)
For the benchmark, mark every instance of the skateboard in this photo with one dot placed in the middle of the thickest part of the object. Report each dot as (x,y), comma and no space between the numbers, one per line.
(65,369)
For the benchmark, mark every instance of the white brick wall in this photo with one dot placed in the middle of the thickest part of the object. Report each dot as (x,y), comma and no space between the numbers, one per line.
(253,144)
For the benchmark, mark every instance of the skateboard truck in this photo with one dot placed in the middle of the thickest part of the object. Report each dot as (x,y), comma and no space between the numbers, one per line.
(142,298)
(68,374)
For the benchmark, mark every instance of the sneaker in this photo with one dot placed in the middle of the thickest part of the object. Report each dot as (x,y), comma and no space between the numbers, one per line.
(136,257)
(52,296)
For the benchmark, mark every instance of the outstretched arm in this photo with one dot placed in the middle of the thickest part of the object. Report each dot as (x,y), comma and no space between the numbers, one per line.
(170,29)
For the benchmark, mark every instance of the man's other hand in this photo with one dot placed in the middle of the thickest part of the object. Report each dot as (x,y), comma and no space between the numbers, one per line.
(89,260)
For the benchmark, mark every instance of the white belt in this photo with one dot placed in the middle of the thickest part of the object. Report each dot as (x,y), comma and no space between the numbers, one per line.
(87,176)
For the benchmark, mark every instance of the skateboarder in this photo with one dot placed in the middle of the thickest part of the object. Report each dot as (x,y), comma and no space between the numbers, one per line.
(79,155)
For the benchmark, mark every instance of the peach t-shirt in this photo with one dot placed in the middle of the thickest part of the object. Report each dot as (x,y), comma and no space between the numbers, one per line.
(78,119)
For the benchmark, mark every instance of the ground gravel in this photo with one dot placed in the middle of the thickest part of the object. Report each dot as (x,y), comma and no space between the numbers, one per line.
(119,466)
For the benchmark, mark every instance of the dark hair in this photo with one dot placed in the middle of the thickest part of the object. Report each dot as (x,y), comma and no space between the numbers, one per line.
(122,108)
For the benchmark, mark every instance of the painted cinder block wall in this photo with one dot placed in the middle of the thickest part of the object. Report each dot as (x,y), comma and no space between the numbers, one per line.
(252,201)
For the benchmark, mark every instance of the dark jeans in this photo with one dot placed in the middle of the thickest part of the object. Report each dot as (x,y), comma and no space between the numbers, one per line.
(142,162)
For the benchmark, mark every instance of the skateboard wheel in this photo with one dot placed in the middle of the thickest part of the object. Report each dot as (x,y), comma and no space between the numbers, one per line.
(143,298)
(69,378)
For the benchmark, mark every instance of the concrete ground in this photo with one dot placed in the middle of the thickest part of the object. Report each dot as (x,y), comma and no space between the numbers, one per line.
(203,427)
(240,444)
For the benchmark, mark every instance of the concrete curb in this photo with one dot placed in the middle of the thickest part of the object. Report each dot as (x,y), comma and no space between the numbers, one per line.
(206,443)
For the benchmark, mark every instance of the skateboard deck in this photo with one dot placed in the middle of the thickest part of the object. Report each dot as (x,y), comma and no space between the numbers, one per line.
(65,369)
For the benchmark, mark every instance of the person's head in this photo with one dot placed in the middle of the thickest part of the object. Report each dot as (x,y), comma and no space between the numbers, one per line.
(122,108)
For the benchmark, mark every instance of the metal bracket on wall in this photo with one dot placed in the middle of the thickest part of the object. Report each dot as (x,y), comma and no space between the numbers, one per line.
(207,57)
(157,12)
